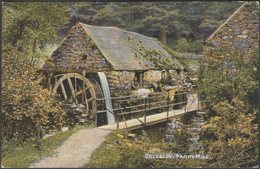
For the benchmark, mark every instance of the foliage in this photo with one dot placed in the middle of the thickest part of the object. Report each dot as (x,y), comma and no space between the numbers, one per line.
(231,144)
(22,156)
(229,74)
(228,86)
(197,46)
(28,109)
(163,20)
(120,150)
(183,45)
(31,26)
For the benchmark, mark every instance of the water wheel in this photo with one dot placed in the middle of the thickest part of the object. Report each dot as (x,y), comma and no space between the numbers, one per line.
(76,90)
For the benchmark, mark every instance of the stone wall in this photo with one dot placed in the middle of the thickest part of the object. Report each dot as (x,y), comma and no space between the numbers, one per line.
(151,76)
(77,52)
(241,31)
(120,80)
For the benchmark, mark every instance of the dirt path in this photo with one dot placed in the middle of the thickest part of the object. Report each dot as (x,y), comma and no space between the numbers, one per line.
(75,151)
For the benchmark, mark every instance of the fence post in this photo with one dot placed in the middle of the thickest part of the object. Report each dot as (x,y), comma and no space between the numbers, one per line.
(185,108)
(168,104)
(145,104)
(198,101)
(118,109)
(187,101)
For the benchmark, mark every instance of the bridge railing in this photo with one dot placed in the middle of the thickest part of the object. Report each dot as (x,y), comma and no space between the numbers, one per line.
(135,107)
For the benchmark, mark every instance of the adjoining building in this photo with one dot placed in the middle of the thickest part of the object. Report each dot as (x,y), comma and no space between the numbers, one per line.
(240,31)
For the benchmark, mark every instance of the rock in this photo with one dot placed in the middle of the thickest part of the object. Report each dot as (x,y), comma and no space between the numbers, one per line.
(79,110)
(73,105)
(170,131)
(63,129)
(194,130)
(225,37)
(81,106)
(144,133)
(169,138)
(200,124)
(242,36)
(245,32)
(82,120)
(120,136)
(143,93)
(131,135)
(84,115)
(48,135)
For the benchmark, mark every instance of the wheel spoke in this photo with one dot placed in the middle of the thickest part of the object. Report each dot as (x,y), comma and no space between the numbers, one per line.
(72,90)
(63,91)
(82,90)
(90,99)
(86,100)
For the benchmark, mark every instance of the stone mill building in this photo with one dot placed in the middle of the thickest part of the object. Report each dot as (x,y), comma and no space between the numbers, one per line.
(128,60)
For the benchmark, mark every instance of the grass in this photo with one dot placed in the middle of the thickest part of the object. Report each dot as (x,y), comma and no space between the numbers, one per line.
(107,155)
(120,151)
(21,156)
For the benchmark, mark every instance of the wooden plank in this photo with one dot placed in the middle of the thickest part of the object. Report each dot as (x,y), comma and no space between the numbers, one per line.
(83,90)
(72,89)
(63,91)
(152,119)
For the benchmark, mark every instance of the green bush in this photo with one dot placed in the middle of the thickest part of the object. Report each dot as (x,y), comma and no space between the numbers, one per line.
(28,109)
(183,45)
(228,85)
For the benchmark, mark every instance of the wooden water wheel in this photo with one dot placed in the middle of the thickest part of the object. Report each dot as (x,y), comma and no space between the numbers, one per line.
(77,91)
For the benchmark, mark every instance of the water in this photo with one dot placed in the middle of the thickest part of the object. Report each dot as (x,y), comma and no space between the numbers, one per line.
(106,93)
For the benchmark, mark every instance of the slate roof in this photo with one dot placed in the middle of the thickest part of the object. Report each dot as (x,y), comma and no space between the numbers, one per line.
(126,50)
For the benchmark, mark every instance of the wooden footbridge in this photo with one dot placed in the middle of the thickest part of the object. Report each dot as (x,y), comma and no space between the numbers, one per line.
(133,113)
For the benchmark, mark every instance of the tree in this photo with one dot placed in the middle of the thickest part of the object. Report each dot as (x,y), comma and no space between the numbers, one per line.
(167,21)
(28,109)
(30,26)
(183,45)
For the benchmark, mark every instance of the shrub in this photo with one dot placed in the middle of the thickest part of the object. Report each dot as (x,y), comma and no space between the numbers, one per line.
(28,108)
(183,45)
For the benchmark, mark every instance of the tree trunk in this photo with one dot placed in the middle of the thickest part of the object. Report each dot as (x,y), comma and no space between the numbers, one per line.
(163,37)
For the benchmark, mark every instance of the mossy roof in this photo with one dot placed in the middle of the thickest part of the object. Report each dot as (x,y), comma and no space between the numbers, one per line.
(126,50)
(245,12)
